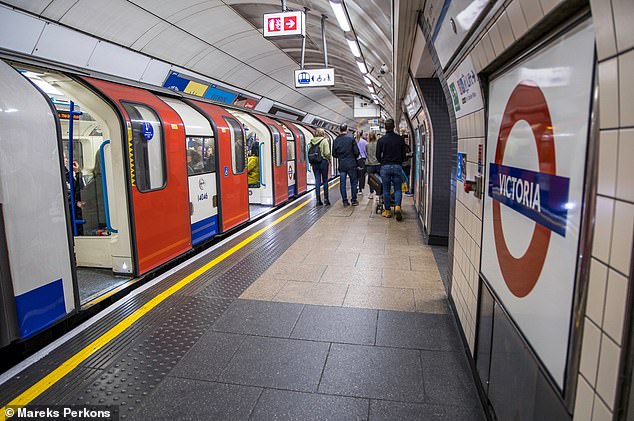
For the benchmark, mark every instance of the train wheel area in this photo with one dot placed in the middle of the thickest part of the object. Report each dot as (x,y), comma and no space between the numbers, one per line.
(311,311)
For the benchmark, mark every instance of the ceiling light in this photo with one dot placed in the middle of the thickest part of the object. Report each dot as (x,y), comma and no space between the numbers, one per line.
(367,81)
(374,80)
(375,101)
(340,14)
(362,67)
(371,89)
(354,47)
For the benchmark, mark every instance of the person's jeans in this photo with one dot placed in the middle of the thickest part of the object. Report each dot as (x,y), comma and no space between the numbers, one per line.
(361,171)
(391,174)
(321,178)
(352,173)
(372,169)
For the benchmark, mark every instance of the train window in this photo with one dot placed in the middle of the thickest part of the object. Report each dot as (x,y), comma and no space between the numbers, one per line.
(302,147)
(277,145)
(290,150)
(148,147)
(201,155)
(238,146)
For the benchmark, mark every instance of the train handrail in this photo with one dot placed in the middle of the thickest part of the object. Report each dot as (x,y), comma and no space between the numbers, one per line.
(261,169)
(71,171)
(104,185)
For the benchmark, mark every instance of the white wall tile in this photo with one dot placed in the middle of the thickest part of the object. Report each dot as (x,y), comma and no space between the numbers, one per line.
(600,412)
(608,157)
(517,19)
(596,291)
(614,315)
(532,12)
(622,230)
(623,17)
(496,39)
(603,228)
(506,33)
(590,347)
(609,93)
(603,28)
(625,175)
(583,401)
(607,376)
(626,104)
(487,46)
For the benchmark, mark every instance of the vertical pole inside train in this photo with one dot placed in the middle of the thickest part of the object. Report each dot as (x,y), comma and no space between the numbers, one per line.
(71,171)
(323,37)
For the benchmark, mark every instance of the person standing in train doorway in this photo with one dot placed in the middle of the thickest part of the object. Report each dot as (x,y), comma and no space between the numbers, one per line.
(319,159)
(345,149)
(390,151)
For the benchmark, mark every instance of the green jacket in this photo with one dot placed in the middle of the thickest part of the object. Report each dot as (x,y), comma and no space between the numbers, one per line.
(324,147)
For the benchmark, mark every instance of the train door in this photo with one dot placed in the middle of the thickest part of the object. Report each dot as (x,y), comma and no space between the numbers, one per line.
(201,171)
(300,157)
(94,171)
(231,163)
(280,157)
(308,135)
(334,166)
(36,281)
(158,174)
(260,146)
(291,161)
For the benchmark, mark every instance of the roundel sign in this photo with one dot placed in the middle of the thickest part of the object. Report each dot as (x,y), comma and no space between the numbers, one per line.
(538,115)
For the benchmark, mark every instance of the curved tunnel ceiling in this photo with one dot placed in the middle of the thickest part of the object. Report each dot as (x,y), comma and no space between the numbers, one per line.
(223,40)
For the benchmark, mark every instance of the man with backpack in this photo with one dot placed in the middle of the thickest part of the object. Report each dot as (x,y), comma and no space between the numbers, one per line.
(345,149)
(319,159)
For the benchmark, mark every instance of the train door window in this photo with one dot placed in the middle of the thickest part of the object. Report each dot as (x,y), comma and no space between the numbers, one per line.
(148,147)
(277,145)
(302,147)
(201,155)
(238,146)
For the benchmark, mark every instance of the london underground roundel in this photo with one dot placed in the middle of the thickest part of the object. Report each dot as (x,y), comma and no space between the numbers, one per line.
(537,131)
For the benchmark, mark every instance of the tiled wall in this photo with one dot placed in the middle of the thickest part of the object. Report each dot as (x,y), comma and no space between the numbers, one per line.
(610,273)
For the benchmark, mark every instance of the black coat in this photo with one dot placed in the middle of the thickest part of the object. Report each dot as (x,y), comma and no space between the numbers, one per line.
(345,149)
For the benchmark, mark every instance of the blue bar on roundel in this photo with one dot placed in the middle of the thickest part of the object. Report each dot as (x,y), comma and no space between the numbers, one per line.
(540,197)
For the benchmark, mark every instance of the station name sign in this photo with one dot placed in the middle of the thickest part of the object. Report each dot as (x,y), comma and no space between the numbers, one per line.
(284,24)
(308,78)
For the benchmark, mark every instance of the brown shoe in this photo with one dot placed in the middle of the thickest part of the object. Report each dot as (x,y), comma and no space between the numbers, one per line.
(397,212)
(387,214)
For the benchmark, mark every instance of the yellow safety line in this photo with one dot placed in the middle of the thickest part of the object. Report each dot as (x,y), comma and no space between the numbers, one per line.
(69,365)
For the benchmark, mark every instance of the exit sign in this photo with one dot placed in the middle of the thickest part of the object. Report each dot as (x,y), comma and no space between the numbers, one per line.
(284,24)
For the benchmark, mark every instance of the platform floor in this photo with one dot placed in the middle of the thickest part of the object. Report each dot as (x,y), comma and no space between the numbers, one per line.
(316,313)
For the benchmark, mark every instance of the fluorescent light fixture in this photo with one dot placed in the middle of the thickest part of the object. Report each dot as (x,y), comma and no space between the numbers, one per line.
(374,96)
(340,14)
(375,101)
(371,89)
(367,81)
(362,67)
(374,80)
(354,47)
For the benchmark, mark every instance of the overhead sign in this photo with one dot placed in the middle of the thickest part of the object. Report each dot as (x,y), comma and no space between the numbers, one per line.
(309,78)
(284,24)
(535,164)
(364,108)
(374,121)
(464,87)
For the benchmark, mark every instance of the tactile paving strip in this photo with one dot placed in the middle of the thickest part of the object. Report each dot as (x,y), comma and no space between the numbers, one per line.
(129,367)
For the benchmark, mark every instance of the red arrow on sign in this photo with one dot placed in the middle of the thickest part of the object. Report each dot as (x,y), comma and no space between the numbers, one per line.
(290,22)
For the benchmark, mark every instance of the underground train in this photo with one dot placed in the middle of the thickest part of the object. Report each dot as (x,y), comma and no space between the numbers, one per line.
(102,182)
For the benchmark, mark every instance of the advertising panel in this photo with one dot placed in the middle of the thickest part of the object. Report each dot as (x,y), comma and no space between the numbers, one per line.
(464,87)
(535,166)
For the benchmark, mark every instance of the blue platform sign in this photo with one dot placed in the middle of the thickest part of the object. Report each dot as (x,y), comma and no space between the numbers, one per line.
(461,171)
(148,131)
(308,78)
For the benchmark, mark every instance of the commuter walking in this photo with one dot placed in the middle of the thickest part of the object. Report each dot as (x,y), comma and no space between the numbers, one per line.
(390,151)
(319,159)
(372,165)
(361,162)
(345,149)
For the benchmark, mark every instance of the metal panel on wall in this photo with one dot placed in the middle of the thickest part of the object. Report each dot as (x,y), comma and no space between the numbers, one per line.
(539,111)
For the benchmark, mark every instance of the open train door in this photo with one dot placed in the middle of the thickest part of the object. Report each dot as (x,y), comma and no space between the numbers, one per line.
(158,173)
(280,157)
(300,156)
(231,163)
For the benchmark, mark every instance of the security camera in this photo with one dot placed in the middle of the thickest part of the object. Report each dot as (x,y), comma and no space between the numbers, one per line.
(383,69)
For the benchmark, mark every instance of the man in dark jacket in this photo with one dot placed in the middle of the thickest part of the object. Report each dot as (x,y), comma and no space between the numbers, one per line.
(390,151)
(345,149)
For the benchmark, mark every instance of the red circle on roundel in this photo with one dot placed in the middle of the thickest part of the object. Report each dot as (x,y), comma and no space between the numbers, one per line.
(527,103)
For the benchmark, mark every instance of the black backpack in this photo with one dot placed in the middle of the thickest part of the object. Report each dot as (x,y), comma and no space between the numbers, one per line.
(314,153)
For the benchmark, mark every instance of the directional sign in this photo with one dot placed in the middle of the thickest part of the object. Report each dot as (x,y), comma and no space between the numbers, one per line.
(284,24)
(309,78)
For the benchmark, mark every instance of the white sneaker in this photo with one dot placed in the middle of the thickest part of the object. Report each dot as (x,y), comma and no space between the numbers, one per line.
(360,193)
(371,196)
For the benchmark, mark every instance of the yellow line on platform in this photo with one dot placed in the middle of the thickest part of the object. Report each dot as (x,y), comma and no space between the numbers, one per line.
(69,365)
